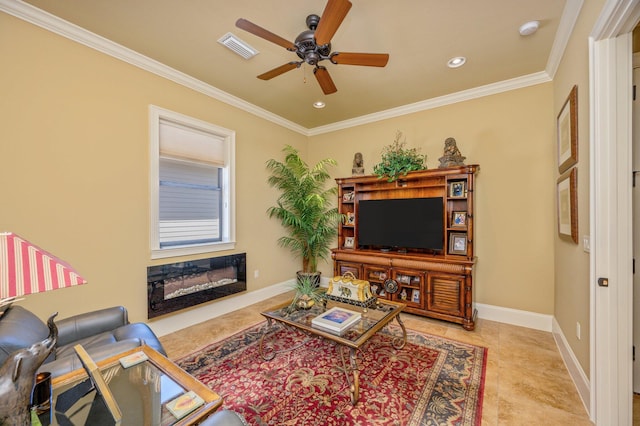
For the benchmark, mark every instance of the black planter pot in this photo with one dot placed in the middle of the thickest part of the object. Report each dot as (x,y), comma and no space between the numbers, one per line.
(314,276)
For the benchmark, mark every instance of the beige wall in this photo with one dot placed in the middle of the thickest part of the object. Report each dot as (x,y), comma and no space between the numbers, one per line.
(74,175)
(572,262)
(511,137)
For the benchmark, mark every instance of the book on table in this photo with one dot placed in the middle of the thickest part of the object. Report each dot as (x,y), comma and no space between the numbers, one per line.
(336,320)
(184,404)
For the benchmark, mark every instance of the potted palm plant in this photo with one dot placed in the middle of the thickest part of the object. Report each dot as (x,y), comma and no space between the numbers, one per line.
(304,208)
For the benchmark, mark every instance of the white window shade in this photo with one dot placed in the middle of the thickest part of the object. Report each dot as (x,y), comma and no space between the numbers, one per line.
(179,142)
(192,185)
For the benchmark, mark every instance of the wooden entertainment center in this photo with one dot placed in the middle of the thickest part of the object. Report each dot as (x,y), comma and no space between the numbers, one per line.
(433,283)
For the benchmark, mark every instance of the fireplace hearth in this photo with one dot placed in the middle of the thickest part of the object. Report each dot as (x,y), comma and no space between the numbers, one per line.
(181,285)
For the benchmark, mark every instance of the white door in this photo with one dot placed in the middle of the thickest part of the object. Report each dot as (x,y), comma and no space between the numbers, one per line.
(636,230)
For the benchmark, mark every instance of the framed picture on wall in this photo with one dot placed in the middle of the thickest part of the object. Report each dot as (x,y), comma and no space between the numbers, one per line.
(568,205)
(567,128)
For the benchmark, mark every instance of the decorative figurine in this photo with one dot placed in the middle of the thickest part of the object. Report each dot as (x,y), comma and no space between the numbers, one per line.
(358,164)
(18,377)
(452,156)
(403,295)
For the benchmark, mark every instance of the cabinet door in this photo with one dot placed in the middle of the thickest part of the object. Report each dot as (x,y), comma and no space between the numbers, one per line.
(410,285)
(342,268)
(376,277)
(445,294)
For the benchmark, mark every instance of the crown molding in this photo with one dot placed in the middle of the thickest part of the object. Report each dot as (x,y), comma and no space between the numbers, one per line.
(565,29)
(59,26)
(75,33)
(465,95)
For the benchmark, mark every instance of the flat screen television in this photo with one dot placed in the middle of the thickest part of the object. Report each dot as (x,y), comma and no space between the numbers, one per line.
(405,223)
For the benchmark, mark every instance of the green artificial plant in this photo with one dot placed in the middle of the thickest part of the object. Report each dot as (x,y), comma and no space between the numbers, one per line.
(303,207)
(307,293)
(398,160)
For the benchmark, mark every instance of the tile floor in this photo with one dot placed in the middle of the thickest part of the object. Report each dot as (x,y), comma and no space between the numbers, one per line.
(526,381)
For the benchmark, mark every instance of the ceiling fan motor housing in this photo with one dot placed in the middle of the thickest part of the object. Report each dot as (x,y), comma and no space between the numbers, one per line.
(306,47)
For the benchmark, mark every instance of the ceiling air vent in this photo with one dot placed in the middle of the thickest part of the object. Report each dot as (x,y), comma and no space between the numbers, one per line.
(240,47)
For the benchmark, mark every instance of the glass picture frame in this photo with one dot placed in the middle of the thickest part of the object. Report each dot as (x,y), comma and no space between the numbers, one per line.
(567,132)
(459,219)
(458,243)
(567,193)
(349,242)
(457,189)
(415,296)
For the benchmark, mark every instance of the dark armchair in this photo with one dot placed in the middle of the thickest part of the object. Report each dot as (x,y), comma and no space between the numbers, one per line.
(102,333)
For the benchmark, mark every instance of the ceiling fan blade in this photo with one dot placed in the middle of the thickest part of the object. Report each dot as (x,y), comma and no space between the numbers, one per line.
(280,70)
(332,16)
(265,34)
(364,59)
(324,79)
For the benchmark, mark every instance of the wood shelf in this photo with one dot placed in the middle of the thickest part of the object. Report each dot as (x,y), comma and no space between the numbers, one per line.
(440,283)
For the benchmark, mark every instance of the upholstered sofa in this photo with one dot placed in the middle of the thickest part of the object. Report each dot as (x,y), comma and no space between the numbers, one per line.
(103,333)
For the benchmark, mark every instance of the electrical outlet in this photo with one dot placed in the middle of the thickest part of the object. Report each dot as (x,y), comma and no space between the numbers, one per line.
(256,273)
(578,330)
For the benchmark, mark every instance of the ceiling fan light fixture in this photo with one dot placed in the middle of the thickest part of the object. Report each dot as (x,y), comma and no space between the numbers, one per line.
(319,104)
(241,47)
(456,62)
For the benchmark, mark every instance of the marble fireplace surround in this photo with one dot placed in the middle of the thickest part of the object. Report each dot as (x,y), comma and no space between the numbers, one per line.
(180,285)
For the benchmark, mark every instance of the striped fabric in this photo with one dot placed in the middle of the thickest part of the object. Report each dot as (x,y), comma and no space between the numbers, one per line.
(26,268)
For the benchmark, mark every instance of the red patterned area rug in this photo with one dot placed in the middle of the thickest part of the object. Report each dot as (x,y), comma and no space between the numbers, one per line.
(431,381)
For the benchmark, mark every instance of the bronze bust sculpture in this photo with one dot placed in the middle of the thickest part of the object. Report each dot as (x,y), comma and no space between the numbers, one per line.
(452,156)
(358,164)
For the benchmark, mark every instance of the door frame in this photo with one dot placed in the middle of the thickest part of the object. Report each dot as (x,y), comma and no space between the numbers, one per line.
(610,81)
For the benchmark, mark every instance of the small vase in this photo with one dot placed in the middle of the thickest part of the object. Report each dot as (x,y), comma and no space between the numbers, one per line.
(305,302)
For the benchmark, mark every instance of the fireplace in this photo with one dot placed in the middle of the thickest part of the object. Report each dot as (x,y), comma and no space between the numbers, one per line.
(181,285)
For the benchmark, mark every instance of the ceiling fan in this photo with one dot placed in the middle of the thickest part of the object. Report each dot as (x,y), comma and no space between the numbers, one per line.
(314,45)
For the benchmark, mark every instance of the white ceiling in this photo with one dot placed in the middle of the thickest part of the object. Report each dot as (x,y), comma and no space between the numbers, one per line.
(419,35)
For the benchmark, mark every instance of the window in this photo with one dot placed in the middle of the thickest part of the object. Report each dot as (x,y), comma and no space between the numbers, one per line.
(192,185)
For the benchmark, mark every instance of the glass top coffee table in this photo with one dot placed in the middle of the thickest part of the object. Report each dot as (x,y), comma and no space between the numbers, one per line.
(372,320)
(141,391)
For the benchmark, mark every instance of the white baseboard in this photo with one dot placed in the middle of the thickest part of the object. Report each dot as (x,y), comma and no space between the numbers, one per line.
(576,372)
(180,320)
(515,317)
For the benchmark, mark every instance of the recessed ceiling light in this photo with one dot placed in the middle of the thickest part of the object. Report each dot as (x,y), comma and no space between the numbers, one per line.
(319,104)
(529,28)
(456,62)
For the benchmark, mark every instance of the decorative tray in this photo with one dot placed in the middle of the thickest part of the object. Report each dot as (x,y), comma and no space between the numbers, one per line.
(363,304)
